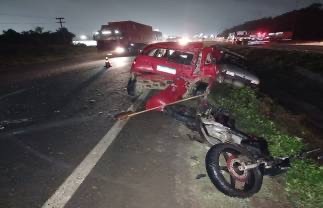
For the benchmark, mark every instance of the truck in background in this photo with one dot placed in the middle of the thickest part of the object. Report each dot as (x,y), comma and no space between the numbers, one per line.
(125,37)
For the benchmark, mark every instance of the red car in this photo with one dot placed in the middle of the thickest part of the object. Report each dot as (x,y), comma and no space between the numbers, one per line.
(160,64)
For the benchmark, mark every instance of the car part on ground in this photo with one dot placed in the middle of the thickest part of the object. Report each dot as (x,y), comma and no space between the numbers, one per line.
(129,114)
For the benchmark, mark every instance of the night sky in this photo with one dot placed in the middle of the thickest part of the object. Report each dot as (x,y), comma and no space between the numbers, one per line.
(172,17)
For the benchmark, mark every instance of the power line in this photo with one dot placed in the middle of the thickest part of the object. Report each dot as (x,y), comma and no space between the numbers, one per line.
(60,21)
(25,23)
(23,15)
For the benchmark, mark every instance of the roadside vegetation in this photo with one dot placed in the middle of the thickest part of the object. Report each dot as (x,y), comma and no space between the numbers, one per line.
(262,58)
(294,79)
(38,46)
(18,56)
(304,181)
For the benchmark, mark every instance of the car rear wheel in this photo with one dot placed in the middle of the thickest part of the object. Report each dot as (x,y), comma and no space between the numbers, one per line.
(133,89)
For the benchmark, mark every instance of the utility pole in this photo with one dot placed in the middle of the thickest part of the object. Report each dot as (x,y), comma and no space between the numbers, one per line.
(60,21)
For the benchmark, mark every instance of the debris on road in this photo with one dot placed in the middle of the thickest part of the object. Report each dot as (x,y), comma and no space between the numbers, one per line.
(199,176)
(92,101)
(129,114)
(194,158)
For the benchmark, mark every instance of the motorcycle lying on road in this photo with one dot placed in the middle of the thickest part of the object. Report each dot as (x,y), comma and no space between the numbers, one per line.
(236,162)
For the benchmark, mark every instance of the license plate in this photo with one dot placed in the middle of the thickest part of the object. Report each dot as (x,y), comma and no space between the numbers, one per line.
(166,69)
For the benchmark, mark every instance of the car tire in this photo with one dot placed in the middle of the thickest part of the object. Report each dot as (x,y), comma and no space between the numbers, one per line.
(133,89)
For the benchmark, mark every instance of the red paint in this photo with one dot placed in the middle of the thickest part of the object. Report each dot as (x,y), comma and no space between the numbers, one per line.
(150,67)
(171,94)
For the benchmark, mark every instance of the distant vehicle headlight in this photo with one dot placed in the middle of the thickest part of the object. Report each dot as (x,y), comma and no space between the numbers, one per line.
(184,41)
(106,32)
(230,73)
(120,50)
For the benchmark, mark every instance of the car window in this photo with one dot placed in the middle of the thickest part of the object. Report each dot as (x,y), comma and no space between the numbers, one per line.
(151,52)
(181,57)
(160,53)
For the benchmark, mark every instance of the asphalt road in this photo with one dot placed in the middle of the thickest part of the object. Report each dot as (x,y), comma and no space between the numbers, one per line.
(59,146)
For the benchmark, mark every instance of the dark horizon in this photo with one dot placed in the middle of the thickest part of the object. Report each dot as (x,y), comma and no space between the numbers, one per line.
(186,17)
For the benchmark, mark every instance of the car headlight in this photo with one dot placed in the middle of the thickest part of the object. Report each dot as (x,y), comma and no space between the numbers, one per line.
(120,50)
(230,73)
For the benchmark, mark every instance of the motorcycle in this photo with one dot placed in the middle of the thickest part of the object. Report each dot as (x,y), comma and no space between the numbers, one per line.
(236,162)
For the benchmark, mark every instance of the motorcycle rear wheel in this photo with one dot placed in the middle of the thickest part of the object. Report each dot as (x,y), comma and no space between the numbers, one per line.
(228,178)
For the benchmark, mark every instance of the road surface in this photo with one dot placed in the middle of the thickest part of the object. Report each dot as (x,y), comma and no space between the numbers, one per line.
(60,147)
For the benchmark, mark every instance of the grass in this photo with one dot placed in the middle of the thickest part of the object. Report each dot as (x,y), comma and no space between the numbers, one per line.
(304,181)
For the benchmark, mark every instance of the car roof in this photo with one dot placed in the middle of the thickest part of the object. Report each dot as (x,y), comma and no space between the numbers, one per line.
(192,46)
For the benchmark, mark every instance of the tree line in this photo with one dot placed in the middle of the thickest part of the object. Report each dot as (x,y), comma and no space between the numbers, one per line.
(36,37)
(304,23)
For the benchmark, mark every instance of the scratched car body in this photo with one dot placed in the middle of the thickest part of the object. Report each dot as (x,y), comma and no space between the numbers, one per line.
(160,64)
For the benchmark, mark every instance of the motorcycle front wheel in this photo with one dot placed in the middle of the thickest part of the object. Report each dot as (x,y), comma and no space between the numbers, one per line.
(223,165)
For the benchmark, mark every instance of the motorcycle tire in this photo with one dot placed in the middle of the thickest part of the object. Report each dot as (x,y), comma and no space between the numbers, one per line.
(253,177)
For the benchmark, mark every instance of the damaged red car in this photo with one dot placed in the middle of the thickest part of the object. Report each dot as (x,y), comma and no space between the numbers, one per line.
(178,71)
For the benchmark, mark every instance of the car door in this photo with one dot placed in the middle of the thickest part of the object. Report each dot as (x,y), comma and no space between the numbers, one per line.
(143,62)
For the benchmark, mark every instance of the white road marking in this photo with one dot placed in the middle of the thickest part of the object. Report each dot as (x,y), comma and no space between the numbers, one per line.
(66,190)
(13,93)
